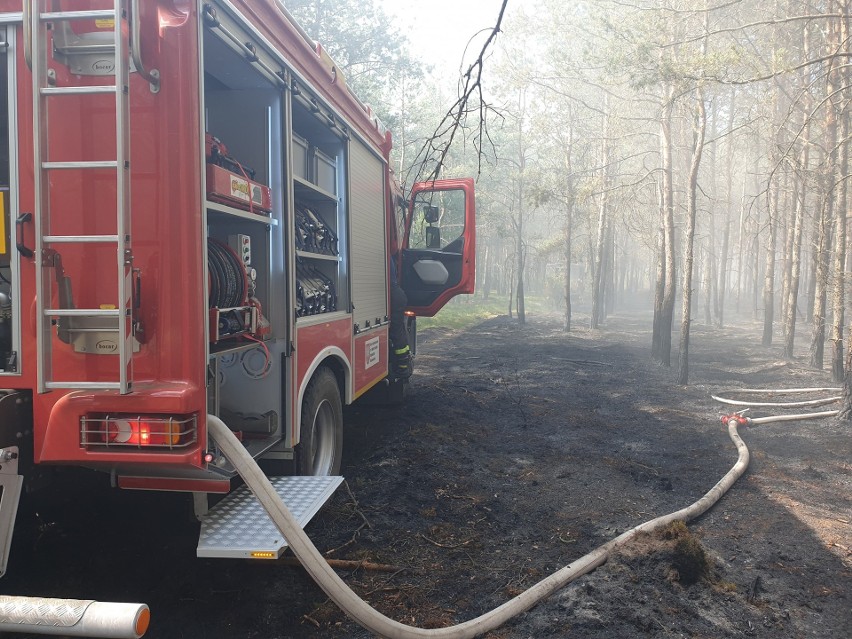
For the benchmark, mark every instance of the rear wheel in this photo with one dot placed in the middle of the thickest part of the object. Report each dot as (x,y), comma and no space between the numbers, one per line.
(320,446)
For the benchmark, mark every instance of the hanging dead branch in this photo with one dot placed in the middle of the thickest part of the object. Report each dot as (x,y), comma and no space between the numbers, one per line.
(470,104)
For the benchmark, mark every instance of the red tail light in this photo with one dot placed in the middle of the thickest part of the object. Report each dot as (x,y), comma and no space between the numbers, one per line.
(138,431)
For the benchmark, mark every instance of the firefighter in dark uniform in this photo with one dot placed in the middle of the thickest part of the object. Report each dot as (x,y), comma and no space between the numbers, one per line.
(401,350)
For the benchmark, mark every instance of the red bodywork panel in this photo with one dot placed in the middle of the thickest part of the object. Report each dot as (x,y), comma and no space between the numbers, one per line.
(467,279)
(167,243)
(315,343)
(370,359)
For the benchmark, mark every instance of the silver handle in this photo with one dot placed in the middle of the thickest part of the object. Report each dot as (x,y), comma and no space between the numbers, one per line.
(28,33)
(152,76)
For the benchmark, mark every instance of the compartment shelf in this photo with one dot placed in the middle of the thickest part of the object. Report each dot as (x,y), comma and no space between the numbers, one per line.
(232,346)
(223,211)
(320,318)
(310,192)
(318,256)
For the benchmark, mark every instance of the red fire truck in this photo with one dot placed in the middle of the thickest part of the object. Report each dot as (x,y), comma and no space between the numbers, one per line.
(197,218)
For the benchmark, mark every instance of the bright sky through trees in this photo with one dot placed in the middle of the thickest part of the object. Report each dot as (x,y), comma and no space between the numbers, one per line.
(440,30)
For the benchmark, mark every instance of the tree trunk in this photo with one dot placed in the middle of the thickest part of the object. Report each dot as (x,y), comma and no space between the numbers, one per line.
(707,281)
(755,269)
(741,268)
(711,294)
(659,291)
(489,275)
(567,326)
(610,289)
(729,191)
(817,351)
(838,295)
(769,275)
(667,316)
(787,249)
(791,308)
(827,213)
(521,252)
(700,127)
(600,263)
(723,270)
(840,166)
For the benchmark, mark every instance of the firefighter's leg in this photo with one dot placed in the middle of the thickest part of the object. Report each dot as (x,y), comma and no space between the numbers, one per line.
(401,364)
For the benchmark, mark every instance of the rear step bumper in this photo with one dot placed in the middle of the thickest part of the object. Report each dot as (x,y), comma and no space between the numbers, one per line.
(239,528)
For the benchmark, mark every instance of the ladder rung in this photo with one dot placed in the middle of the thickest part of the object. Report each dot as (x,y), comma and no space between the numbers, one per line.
(92,330)
(85,49)
(80,239)
(95,14)
(84,385)
(82,312)
(105,88)
(99,164)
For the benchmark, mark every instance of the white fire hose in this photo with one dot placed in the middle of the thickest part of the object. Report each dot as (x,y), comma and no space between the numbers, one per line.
(73,617)
(376,622)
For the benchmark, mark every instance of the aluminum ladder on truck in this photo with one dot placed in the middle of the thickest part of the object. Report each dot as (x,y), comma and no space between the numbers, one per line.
(115,318)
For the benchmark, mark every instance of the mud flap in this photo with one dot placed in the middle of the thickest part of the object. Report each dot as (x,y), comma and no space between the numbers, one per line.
(10,483)
(239,528)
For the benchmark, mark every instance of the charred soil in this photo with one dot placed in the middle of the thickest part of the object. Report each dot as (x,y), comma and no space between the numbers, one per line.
(517,451)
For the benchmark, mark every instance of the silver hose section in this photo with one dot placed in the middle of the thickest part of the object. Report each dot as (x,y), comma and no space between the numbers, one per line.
(381,625)
(73,617)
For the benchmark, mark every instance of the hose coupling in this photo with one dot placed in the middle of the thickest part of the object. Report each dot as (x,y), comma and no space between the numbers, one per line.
(741,420)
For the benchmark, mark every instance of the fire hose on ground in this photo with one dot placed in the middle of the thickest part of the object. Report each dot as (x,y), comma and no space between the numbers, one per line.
(38,615)
(374,621)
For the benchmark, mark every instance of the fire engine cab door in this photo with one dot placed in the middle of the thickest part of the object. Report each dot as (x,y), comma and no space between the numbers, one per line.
(439,247)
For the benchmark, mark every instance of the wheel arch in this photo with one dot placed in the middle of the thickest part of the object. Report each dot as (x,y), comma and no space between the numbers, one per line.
(334,359)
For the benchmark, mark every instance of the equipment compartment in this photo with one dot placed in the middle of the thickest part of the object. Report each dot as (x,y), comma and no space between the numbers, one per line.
(243,114)
(9,319)
(319,144)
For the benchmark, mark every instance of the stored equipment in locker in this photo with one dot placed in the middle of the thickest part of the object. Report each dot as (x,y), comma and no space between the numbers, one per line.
(231,310)
(313,235)
(232,183)
(315,292)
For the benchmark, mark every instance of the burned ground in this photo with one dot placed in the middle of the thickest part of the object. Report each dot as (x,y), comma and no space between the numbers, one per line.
(517,451)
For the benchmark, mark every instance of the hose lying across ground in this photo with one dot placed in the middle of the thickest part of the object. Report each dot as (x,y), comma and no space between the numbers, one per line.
(376,622)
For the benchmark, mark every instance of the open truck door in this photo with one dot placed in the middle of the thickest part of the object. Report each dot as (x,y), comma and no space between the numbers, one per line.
(439,247)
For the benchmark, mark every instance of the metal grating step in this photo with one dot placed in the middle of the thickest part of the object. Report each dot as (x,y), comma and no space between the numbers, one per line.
(239,528)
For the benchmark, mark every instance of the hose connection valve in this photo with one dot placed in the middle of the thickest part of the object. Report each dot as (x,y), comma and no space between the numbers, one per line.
(737,417)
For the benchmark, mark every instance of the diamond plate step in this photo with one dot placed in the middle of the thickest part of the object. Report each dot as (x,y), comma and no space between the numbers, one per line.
(239,528)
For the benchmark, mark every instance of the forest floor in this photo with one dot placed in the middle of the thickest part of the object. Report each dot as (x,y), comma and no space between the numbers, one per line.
(517,451)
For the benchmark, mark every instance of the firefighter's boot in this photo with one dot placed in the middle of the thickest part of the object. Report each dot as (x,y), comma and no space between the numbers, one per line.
(402,362)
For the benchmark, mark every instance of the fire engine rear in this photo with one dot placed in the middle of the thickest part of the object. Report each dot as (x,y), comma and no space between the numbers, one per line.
(197,218)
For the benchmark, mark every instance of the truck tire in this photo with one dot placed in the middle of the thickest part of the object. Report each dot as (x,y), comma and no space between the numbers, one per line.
(320,447)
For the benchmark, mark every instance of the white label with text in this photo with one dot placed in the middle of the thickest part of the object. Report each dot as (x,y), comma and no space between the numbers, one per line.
(371,352)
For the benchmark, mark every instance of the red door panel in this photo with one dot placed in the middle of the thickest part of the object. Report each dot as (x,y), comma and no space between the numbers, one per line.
(439,248)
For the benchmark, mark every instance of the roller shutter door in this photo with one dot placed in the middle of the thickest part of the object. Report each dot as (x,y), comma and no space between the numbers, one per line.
(367,229)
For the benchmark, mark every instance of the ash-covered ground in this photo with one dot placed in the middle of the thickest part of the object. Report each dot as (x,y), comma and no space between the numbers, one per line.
(517,451)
